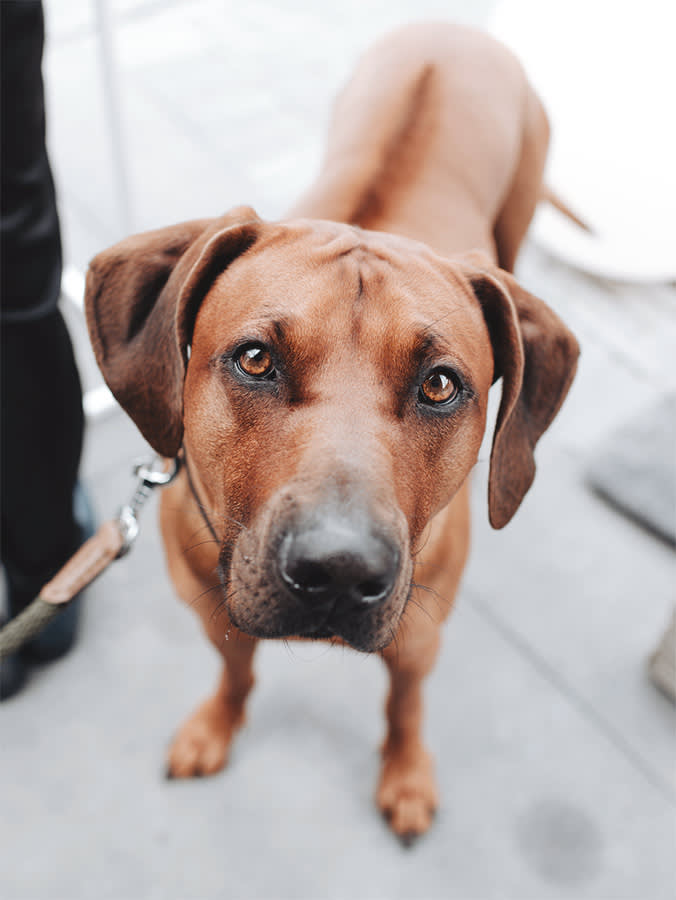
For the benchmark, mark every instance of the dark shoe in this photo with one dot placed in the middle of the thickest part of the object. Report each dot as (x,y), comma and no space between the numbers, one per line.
(59,636)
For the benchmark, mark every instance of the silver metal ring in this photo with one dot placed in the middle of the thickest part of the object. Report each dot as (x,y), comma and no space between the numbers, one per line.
(145,469)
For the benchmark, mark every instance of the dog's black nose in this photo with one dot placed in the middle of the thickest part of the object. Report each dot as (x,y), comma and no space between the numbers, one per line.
(336,560)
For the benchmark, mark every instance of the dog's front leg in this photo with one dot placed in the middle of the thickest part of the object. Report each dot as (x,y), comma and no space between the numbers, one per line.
(203,742)
(407,791)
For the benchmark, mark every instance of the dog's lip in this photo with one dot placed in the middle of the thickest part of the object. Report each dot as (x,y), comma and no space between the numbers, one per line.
(317,630)
(318,634)
(321,625)
(349,629)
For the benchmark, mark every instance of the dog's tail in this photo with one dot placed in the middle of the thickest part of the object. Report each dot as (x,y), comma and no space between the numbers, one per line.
(547,195)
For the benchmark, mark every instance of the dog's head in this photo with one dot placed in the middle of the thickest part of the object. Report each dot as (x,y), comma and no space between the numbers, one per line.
(330,387)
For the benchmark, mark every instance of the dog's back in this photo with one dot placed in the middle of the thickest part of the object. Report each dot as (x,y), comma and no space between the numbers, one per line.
(427,139)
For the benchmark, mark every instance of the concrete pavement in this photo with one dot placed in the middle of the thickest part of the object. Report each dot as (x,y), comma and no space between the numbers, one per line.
(554,752)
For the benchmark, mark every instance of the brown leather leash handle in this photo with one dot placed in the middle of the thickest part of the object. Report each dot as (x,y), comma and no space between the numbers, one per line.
(112,541)
(91,559)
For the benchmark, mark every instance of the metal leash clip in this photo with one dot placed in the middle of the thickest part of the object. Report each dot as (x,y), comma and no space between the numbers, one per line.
(113,540)
(149,477)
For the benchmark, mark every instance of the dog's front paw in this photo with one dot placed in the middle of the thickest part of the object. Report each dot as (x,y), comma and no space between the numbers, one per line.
(202,744)
(407,794)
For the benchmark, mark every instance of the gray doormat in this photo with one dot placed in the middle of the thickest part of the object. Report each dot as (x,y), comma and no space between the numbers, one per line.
(635,469)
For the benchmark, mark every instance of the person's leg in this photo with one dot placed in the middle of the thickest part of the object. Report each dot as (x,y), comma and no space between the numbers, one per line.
(30,277)
(42,423)
(41,419)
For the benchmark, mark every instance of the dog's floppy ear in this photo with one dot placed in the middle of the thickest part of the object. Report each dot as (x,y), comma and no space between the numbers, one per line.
(141,299)
(536,356)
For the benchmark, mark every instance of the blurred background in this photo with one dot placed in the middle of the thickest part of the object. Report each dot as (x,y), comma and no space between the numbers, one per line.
(555,751)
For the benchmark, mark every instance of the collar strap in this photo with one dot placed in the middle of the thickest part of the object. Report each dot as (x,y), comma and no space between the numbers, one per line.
(193,491)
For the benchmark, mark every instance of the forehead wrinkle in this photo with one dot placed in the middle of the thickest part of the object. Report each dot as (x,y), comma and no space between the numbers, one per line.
(331,246)
(371,278)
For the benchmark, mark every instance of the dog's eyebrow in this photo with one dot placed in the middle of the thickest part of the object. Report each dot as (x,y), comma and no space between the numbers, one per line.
(430,344)
(280,327)
(427,344)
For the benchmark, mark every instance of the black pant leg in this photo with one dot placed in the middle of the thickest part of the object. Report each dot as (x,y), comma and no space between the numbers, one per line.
(31,244)
(41,421)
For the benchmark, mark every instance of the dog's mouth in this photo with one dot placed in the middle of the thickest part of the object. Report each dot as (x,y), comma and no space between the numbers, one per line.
(277,616)
(323,633)
(363,631)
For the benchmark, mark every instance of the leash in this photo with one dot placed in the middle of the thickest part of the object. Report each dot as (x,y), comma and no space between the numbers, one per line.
(112,541)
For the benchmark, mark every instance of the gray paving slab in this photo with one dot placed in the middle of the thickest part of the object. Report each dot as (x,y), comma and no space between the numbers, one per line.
(584,591)
(555,755)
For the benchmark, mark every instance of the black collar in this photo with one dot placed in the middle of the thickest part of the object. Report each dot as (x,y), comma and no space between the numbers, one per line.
(184,459)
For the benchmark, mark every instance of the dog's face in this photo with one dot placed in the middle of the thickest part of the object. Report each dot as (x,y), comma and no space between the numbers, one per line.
(334,399)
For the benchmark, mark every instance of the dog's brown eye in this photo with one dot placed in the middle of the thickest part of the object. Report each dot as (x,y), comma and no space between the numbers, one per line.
(440,386)
(255,360)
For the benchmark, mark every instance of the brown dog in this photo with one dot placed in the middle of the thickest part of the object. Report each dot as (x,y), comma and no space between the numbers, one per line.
(327,385)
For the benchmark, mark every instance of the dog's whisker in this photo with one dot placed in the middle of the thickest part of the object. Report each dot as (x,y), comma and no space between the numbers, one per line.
(211,515)
(222,607)
(427,532)
(214,587)
(443,601)
(421,607)
(198,530)
(223,518)
(218,610)
(442,605)
(203,543)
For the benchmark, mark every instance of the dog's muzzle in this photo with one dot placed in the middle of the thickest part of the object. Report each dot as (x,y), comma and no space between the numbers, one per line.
(336,566)
(327,571)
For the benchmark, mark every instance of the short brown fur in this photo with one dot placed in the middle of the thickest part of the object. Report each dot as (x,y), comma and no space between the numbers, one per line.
(436,150)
